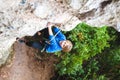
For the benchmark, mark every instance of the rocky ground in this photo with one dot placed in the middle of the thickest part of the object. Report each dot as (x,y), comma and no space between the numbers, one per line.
(25,65)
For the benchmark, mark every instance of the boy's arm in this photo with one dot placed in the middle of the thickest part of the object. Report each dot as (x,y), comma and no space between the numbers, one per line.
(49,25)
(55,30)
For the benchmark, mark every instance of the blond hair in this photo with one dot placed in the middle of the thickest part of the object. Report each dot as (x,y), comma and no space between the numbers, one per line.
(68,47)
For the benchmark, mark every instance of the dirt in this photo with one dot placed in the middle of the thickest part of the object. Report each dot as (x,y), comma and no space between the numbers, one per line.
(25,65)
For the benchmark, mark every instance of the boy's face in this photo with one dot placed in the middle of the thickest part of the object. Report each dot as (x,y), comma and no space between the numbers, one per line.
(64,43)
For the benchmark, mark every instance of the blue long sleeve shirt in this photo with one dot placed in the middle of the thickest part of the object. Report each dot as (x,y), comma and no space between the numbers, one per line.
(54,45)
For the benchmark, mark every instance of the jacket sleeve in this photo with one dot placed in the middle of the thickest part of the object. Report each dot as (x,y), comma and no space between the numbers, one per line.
(53,46)
(60,34)
(52,40)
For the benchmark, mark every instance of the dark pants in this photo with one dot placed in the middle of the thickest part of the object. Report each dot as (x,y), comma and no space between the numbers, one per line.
(38,41)
(36,45)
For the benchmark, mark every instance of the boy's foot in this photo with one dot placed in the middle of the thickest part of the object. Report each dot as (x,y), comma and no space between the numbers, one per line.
(20,40)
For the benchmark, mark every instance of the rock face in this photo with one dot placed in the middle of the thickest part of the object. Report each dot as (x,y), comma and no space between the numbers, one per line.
(20,18)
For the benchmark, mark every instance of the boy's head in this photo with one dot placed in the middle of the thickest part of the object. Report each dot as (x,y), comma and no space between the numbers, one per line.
(66,45)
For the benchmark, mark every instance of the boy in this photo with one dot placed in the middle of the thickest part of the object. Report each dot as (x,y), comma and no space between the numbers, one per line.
(56,41)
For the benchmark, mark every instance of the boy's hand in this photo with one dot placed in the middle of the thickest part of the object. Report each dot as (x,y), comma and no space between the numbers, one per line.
(49,24)
(58,24)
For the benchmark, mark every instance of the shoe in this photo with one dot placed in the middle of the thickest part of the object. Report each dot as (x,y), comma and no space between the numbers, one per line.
(20,40)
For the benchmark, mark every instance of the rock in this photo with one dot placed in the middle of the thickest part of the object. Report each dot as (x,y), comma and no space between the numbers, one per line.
(19,18)
(42,10)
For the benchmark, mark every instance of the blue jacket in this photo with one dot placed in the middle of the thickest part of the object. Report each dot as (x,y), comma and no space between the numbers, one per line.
(54,45)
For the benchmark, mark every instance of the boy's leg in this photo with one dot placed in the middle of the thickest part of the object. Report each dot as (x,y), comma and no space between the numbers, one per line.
(41,35)
(36,45)
(44,33)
